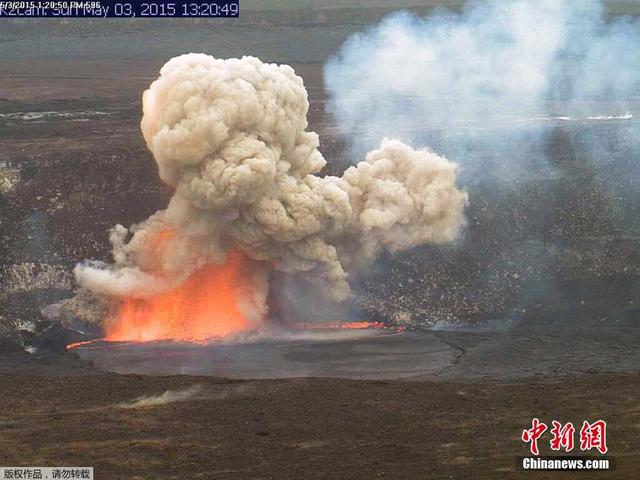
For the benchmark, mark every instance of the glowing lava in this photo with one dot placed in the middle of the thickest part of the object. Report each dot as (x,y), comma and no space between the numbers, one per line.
(341,325)
(208,304)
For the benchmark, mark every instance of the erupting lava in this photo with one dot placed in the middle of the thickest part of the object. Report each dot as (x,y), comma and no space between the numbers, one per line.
(230,138)
(207,305)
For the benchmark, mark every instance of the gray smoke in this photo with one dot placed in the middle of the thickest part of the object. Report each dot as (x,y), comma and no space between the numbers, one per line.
(484,85)
(538,102)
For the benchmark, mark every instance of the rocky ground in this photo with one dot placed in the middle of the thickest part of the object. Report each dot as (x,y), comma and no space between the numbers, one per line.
(303,428)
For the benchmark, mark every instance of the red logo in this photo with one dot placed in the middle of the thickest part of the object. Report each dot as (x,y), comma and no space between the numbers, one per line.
(532,435)
(562,436)
(592,435)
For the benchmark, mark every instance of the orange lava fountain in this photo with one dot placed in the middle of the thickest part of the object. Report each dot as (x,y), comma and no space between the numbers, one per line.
(205,306)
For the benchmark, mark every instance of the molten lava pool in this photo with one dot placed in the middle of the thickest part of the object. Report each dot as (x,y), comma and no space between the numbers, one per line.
(367,353)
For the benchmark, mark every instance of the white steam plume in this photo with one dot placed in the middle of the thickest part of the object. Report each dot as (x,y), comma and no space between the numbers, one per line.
(464,69)
(476,84)
(230,136)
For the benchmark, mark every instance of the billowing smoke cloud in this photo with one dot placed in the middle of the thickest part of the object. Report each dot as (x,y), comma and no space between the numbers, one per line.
(485,85)
(230,136)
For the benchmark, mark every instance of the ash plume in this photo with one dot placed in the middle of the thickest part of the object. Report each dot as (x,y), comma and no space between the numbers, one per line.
(230,136)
